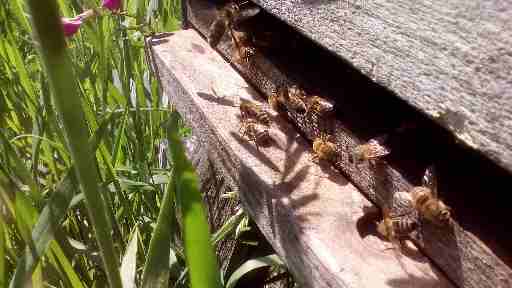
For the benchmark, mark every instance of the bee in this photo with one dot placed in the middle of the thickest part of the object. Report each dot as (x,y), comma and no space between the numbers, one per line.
(250,109)
(324,149)
(227,19)
(426,202)
(253,131)
(274,100)
(293,98)
(243,45)
(318,106)
(370,151)
(221,23)
(395,228)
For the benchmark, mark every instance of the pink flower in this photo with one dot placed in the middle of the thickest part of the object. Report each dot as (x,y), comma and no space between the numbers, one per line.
(71,25)
(112,5)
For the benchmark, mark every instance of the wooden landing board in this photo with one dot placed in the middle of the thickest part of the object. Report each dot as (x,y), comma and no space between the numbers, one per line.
(475,252)
(450,59)
(309,213)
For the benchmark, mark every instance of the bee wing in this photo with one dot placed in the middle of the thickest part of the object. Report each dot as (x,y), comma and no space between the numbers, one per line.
(283,93)
(402,204)
(430,180)
(376,148)
(217,30)
(298,92)
(244,15)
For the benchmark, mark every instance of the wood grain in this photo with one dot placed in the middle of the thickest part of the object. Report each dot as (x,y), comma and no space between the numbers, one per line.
(309,213)
(213,180)
(450,59)
(364,111)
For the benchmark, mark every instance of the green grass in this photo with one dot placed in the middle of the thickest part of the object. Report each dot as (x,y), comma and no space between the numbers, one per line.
(85,198)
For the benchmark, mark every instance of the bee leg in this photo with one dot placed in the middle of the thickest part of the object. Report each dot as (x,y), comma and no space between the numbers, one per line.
(256,143)
(238,48)
(315,158)
(243,132)
(392,246)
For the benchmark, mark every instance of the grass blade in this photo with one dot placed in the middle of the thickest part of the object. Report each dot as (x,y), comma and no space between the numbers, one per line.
(65,265)
(201,260)
(48,28)
(155,274)
(251,265)
(53,213)
(228,227)
(3,281)
(128,266)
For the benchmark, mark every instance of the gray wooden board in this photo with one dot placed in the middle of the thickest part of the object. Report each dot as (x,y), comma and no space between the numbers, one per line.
(457,250)
(213,181)
(450,59)
(310,214)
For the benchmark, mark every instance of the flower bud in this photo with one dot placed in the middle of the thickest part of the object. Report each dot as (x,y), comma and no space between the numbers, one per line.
(71,25)
(112,5)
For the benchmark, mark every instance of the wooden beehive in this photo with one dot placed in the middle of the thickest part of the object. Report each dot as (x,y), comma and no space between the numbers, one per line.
(383,65)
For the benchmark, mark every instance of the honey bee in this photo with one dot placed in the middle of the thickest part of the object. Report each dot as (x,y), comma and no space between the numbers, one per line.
(324,149)
(293,98)
(221,23)
(370,151)
(395,228)
(426,202)
(250,109)
(227,19)
(253,131)
(274,100)
(243,46)
(318,106)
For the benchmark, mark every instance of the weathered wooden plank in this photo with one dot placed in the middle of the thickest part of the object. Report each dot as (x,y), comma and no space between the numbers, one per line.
(450,59)
(214,182)
(364,111)
(310,214)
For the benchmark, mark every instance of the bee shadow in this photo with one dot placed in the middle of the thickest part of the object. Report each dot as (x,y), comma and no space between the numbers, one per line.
(217,100)
(251,148)
(366,226)
(413,281)
(332,173)
(160,38)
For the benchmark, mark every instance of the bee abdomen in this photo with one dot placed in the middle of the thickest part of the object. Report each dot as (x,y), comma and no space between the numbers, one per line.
(297,105)
(421,196)
(247,53)
(318,105)
(403,227)
(273,101)
(264,118)
(262,136)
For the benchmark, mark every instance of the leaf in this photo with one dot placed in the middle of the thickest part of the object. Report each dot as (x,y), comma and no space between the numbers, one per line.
(155,274)
(48,28)
(19,13)
(201,260)
(3,280)
(65,265)
(37,277)
(251,265)
(16,164)
(228,227)
(53,213)
(128,266)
